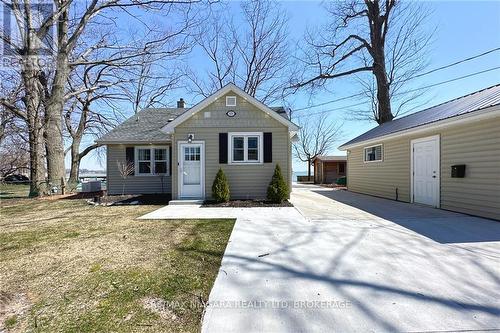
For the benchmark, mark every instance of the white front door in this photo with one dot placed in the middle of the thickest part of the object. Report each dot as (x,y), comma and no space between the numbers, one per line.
(425,175)
(191,170)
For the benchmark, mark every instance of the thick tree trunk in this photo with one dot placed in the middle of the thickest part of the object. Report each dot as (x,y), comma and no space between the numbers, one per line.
(55,107)
(33,102)
(377,37)
(38,185)
(55,147)
(383,95)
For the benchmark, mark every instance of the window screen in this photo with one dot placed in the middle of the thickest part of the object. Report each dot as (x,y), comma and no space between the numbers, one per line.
(373,154)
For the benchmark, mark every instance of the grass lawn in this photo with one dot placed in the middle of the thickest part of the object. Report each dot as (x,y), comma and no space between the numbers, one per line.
(69,266)
(8,191)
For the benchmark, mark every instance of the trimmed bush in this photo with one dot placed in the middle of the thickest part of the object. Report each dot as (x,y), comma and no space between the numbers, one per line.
(278,190)
(220,187)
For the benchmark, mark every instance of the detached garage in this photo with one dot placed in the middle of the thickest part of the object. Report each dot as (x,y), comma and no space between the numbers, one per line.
(446,156)
(327,169)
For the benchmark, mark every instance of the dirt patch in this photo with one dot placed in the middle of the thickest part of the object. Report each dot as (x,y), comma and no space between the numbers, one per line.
(159,306)
(12,305)
(246,204)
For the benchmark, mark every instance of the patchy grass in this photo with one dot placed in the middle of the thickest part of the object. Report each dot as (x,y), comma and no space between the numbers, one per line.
(69,266)
(11,191)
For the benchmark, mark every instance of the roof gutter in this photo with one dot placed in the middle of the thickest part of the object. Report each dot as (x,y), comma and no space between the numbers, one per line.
(486,113)
(107,142)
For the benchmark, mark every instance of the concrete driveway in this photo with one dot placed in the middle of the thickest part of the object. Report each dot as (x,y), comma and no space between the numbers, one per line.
(348,262)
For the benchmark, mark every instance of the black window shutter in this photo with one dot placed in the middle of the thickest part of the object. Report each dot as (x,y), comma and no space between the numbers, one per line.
(129,156)
(268,147)
(223,148)
(170,160)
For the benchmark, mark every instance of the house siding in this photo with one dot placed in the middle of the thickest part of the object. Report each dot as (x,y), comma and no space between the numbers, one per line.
(245,181)
(475,144)
(132,184)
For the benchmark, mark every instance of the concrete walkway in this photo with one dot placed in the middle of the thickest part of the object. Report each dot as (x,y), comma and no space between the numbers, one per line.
(347,262)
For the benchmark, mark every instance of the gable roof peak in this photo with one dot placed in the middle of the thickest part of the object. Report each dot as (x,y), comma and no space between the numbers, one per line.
(169,128)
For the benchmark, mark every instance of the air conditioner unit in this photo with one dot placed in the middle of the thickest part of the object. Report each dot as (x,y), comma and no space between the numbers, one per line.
(91,186)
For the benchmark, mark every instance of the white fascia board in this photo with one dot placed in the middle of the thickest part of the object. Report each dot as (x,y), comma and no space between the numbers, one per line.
(163,142)
(486,113)
(169,128)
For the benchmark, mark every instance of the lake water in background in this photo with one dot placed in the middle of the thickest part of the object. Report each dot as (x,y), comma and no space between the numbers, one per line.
(300,173)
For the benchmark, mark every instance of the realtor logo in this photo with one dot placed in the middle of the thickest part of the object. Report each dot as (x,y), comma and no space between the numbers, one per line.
(27,22)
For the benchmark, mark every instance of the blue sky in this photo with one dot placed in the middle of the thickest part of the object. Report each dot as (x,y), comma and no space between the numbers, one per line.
(463,29)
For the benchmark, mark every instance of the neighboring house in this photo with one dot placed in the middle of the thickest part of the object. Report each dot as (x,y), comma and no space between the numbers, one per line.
(447,156)
(178,151)
(328,168)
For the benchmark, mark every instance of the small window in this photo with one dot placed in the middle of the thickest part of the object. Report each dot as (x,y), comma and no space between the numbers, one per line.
(245,147)
(373,153)
(152,161)
(341,168)
(230,100)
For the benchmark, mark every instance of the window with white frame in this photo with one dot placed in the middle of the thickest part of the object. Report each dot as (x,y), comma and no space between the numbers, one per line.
(245,148)
(230,100)
(373,153)
(151,160)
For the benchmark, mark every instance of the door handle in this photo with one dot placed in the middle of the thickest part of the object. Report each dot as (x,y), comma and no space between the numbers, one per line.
(433,176)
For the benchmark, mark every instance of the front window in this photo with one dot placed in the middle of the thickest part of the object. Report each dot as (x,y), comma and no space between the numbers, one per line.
(238,148)
(144,161)
(373,153)
(245,147)
(160,161)
(152,161)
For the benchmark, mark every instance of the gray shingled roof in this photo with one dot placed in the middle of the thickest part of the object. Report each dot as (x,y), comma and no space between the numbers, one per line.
(469,103)
(146,126)
(280,110)
(143,127)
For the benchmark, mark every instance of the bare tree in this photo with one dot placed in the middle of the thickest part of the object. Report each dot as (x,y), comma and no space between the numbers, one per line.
(14,156)
(150,81)
(79,121)
(316,137)
(45,85)
(383,38)
(254,55)
(22,97)
(125,169)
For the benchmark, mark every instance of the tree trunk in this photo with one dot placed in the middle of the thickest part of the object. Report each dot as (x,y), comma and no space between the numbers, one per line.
(55,107)
(309,169)
(33,102)
(55,148)
(383,96)
(38,185)
(75,163)
(376,21)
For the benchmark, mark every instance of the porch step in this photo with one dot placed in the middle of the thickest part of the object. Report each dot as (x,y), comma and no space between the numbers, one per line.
(185,202)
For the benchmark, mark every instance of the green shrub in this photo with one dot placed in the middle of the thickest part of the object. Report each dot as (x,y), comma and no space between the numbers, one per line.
(278,190)
(220,187)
